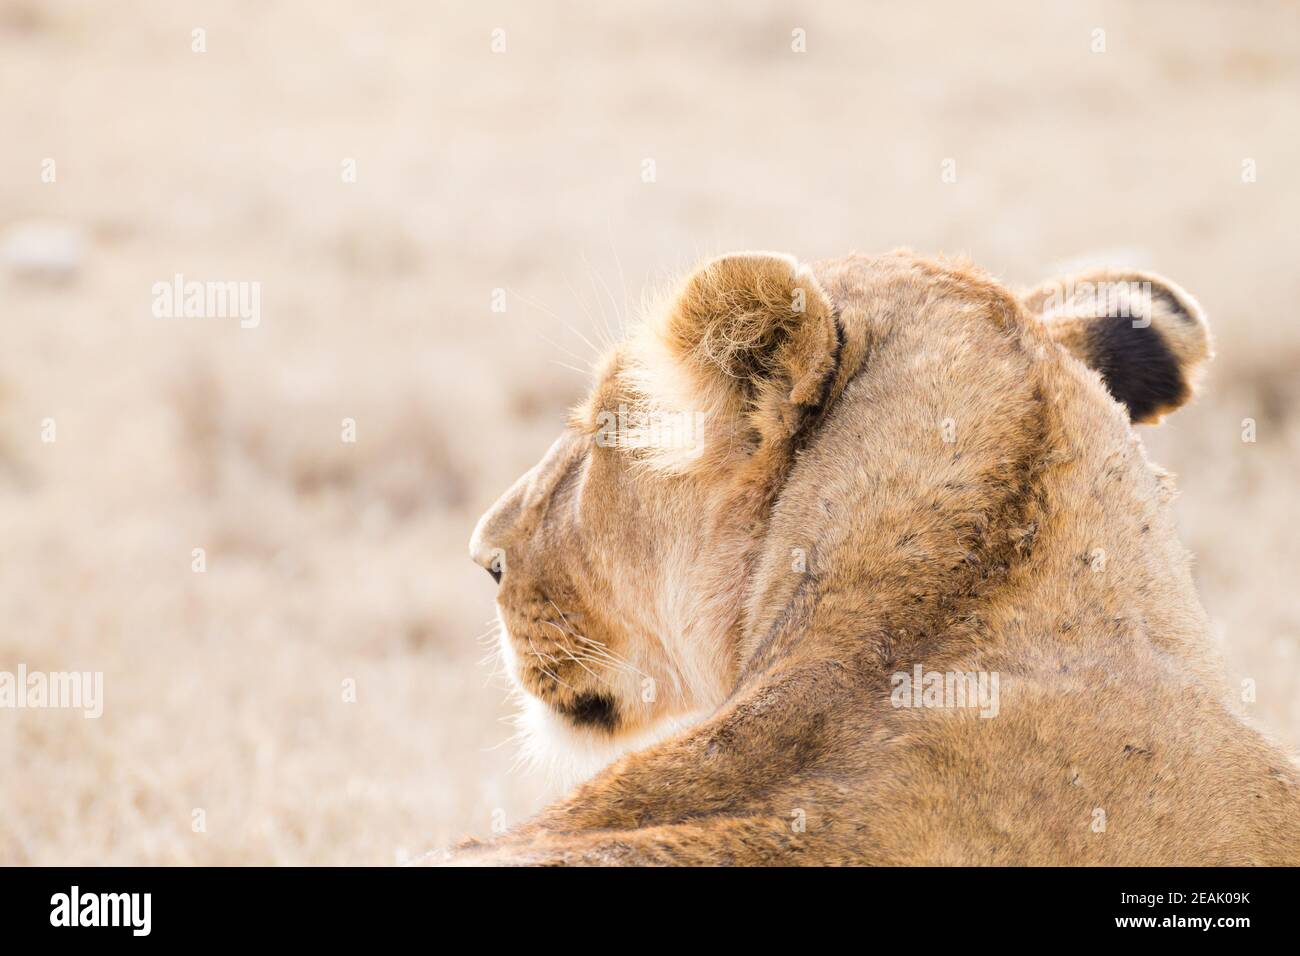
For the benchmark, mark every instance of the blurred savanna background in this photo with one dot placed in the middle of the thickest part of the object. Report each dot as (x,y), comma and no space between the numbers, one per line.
(389,172)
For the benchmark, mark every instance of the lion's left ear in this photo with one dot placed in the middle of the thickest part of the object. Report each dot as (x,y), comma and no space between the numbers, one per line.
(756,337)
(1145,335)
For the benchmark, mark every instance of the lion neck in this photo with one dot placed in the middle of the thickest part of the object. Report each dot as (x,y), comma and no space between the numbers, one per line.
(1062,540)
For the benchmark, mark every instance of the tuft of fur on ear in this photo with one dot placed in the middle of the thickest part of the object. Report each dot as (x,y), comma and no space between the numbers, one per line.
(1146,336)
(749,342)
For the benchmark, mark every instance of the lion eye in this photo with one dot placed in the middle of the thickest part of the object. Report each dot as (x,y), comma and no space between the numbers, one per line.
(495,569)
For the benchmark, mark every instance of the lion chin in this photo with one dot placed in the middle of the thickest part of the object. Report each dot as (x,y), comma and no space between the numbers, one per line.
(566,755)
(562,750)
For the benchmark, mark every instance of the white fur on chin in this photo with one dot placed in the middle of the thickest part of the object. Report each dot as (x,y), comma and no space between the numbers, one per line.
(569,755)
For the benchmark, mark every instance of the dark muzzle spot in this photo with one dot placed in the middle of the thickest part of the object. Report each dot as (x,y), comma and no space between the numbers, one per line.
(592,710)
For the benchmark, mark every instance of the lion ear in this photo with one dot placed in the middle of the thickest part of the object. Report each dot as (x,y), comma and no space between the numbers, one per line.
(1145,335)
(756,337)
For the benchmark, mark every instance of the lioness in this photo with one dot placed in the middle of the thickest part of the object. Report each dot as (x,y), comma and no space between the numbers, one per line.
(864,563)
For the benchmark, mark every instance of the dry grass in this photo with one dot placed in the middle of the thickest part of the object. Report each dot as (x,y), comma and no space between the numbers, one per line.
(330,561)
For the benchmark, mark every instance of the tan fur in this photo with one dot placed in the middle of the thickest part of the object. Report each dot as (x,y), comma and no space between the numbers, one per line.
(913,469)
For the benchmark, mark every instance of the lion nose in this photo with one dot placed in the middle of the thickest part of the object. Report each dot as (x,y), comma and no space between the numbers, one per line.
(489,557)
(495,564)
(493,560)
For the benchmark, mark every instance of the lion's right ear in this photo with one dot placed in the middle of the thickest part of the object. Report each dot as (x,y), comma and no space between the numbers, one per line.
(1146,337)
(754,340)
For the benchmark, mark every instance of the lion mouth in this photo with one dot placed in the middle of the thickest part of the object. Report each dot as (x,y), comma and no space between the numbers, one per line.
(548,670)
(596,711)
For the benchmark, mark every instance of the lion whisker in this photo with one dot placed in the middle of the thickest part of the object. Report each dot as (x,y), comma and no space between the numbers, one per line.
(575,660)
(553,676)
(596,646)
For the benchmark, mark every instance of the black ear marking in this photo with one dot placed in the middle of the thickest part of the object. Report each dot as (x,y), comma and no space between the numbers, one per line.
(1137,365)
(1146,337)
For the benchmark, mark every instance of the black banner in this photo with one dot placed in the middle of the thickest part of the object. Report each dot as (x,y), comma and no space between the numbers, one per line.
(334,906)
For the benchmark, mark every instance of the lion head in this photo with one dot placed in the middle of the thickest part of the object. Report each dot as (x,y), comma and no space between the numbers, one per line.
(640,560)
